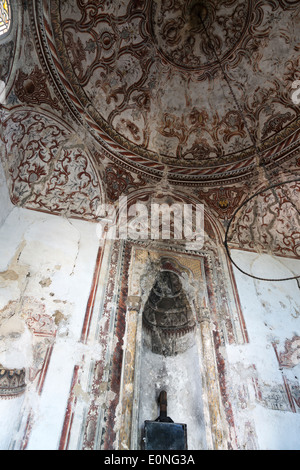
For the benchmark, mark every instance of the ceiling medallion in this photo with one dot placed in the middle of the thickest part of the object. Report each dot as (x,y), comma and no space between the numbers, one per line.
(179,34)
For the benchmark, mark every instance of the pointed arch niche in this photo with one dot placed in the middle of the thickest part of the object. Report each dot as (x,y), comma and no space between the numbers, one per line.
(5,17)
(169,356)
(181,309)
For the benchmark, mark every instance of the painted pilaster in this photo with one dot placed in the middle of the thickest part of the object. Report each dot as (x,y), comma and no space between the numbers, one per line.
(127,402)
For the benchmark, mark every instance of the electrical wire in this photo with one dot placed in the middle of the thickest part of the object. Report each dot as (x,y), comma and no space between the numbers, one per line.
(230,222)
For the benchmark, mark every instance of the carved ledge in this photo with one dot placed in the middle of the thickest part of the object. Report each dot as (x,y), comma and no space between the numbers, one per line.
(12,382)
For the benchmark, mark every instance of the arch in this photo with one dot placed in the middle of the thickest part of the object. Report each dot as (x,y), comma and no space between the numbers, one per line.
(217,323)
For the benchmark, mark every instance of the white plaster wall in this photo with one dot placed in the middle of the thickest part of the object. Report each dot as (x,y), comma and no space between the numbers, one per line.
(50,261)
(272,315)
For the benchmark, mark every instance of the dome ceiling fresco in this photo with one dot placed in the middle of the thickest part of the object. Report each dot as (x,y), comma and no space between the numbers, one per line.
(180,100)
(148,76)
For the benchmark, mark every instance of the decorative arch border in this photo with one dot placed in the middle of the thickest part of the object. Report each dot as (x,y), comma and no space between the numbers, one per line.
(212,226)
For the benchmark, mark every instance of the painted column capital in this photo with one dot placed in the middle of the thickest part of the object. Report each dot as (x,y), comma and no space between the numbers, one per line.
(133,302)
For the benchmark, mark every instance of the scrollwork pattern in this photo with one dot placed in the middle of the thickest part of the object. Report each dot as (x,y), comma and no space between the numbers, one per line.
(120,57)
(47,170)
